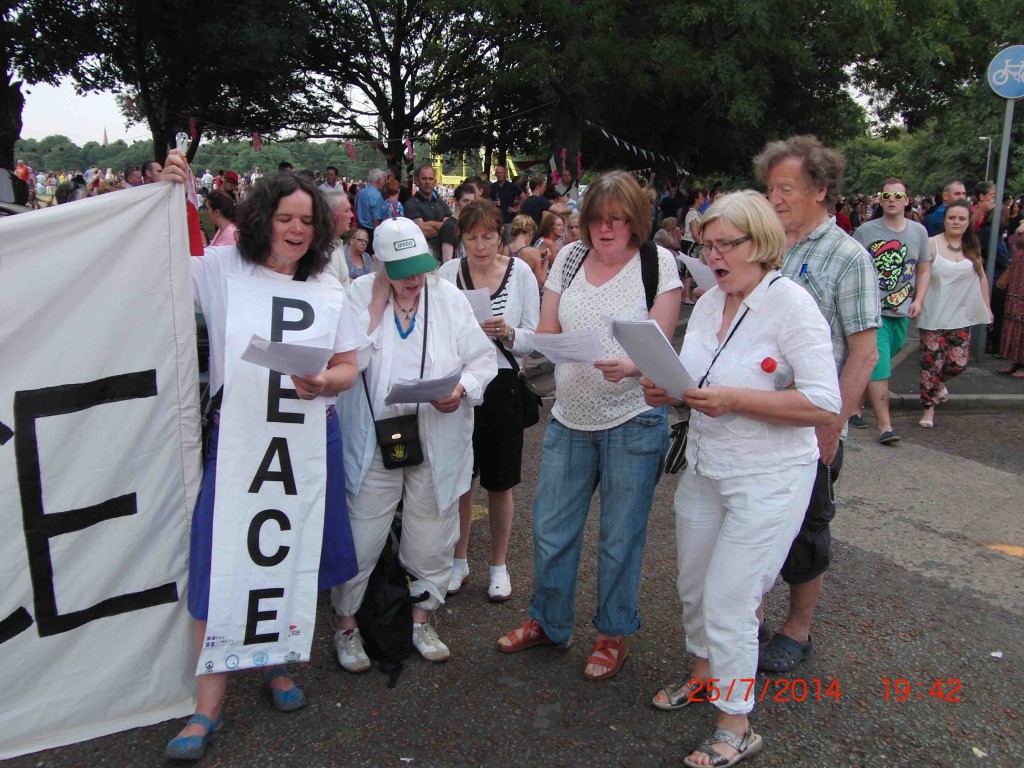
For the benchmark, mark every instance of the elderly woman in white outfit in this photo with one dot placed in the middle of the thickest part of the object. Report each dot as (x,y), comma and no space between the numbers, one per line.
(766,380)
(413,322)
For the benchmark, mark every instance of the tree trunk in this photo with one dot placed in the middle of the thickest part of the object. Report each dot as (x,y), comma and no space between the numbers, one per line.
(11,103)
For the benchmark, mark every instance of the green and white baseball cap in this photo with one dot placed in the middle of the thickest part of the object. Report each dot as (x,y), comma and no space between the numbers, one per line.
(400,245)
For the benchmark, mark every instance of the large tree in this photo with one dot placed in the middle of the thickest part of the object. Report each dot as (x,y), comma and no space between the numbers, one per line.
(215,68)
(405,60)
(34,49)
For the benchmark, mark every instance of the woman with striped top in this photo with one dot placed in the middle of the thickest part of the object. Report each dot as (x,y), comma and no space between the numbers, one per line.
(498,429)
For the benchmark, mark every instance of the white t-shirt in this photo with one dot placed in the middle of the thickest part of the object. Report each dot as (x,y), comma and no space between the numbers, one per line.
(585,400)
(691,215)
(209,284)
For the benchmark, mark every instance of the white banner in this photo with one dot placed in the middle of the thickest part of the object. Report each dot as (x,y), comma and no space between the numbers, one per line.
(271,484)
(99,467)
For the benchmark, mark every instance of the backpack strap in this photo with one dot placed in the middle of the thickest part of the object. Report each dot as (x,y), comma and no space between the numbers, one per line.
(648,269)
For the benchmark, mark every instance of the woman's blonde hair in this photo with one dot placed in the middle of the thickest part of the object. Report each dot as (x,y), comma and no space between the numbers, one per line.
(752,215)
(621,190)
(523,224)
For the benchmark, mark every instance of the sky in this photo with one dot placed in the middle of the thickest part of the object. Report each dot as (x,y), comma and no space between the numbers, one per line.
(49,111)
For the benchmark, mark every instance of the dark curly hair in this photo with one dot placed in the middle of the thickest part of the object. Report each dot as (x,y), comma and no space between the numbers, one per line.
(255,221)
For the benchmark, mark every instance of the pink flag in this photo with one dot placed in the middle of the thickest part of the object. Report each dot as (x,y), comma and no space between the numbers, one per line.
(192,128)
(563,162)
(579,163)
(408,149)
(351,150)
(256,143)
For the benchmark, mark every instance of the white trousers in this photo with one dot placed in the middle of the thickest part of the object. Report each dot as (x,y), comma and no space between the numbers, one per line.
(732,537)
(428,534)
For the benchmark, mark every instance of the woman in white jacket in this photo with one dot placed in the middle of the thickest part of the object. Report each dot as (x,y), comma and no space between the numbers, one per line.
(412,321)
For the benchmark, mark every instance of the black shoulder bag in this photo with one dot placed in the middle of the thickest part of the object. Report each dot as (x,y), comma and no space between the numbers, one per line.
(399,436)
(529,399)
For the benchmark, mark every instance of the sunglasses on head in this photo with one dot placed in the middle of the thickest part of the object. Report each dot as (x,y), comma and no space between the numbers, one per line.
(894,195)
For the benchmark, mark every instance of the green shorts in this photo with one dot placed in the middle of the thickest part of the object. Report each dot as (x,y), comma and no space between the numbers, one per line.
(892,335)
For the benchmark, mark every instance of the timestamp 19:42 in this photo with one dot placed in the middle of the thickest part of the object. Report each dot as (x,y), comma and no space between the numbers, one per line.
(900,689)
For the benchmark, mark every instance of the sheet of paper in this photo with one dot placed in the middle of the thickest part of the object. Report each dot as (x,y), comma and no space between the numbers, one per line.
(307,358)
(572,347)
(480,301)
(653,354)
(423,390)
(700,272)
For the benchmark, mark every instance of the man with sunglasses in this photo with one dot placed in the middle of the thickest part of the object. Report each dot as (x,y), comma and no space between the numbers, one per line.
(899,249)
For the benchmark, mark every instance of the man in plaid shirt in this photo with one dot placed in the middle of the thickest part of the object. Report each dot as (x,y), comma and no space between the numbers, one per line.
(803,178)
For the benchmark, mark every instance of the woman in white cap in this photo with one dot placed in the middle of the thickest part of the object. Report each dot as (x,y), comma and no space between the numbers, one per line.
(416,327)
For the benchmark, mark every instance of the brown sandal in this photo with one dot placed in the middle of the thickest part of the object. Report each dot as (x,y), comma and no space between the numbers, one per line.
(527,636)
(609,654)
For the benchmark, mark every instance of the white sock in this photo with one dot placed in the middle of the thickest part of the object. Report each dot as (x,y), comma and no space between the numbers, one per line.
(498,570)
(460,564)
(417,624)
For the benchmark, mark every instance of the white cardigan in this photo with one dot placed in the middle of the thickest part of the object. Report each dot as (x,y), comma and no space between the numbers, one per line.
(454,336)
(522,311)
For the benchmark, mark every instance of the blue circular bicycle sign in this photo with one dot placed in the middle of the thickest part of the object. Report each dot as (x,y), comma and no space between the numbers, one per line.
(1006,72)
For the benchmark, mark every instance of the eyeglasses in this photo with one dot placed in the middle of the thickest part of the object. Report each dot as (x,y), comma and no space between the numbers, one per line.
(722,247)
(894,195)
(614,222)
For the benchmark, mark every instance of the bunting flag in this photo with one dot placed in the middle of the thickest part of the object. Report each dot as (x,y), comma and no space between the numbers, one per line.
(192,128)
(256,143)
(408,149)
(563,160)
(351,150)
(579,163)
(639,151)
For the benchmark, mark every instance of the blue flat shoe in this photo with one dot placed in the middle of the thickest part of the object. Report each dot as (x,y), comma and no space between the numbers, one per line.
(193,747)
(284,701)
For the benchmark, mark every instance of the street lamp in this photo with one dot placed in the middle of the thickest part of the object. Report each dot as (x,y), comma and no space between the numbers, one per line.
(988,157)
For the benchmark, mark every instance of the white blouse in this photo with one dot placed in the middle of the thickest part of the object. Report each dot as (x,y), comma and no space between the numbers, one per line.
(785,324)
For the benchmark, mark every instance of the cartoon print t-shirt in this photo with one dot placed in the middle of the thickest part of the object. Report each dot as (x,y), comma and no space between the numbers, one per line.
(896,256)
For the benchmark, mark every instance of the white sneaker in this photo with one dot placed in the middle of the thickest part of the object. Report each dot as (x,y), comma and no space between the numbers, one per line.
(348,644)
(500,589)
(426,641)
(458,577)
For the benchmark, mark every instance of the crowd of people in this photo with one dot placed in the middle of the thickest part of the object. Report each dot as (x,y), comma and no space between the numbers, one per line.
(830,286)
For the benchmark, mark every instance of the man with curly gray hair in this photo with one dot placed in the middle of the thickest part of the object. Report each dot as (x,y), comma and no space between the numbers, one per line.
(804,178)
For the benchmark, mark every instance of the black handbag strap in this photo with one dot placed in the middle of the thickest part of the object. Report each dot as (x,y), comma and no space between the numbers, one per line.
(735,328)
(423,354)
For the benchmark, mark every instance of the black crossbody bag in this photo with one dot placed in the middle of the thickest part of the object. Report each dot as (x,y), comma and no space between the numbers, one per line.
(529,397)
(399,436)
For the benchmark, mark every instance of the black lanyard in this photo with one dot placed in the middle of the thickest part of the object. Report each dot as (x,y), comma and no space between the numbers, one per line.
(735,328)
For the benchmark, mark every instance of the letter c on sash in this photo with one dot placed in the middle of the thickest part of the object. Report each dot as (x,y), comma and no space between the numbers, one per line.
(254,537)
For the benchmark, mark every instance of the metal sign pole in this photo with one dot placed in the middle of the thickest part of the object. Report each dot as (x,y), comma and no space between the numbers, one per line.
(1006,79)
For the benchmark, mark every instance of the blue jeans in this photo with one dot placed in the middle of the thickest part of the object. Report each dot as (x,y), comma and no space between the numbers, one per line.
(626,461)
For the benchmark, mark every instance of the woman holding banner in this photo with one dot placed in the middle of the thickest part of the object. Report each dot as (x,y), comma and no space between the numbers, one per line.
(416,327)
(285,232)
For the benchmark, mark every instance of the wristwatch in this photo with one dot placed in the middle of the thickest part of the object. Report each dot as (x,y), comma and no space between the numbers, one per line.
(510,337)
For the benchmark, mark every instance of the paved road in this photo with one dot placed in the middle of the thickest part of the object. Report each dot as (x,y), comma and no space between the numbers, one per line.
(920,591)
